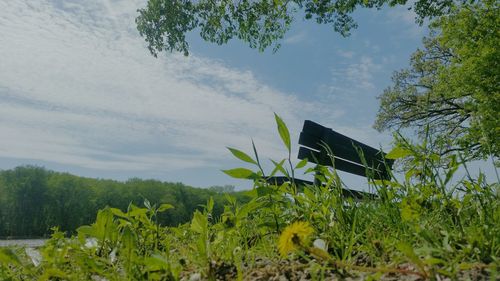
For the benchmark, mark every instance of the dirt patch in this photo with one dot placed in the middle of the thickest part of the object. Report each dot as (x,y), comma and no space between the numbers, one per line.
(297,270)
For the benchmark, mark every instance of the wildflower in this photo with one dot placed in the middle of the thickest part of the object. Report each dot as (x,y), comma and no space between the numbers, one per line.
(294,236)
(320,244)
(91,243)
(319,250)
(112,256)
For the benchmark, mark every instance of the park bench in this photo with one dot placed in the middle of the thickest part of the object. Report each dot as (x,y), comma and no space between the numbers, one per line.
(324,146)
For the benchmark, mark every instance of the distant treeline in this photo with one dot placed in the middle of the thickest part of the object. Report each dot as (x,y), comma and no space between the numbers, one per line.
(33,200)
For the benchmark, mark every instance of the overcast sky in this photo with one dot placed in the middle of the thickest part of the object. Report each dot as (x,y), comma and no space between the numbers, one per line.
(80,93)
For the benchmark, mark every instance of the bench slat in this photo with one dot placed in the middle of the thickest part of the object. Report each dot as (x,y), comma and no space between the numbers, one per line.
(356,194)
(313,139)
(313,134)
(339,150)
(345,153)
(341,164)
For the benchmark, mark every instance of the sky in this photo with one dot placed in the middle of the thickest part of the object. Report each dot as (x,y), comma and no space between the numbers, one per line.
(80,93)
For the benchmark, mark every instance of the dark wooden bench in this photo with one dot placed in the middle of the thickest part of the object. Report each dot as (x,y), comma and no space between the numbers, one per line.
(326,147)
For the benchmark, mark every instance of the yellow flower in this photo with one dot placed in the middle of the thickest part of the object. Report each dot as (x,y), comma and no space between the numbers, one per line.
(294,236)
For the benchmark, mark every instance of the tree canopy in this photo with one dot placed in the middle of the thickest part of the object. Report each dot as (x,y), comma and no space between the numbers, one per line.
(260,23)
(33,200)
(451,89)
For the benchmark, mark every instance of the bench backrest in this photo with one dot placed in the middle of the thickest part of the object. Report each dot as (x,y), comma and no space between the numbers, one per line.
(314,139)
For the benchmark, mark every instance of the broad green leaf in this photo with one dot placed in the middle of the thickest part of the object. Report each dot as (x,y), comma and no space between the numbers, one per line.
(283,131)
(434,261)
(465,266)
(409,212)
(156,262)
(7,256)
(147,204)
(53,274)
(242,155)
(301,164)
(381,183)
(103,222)
(410,174)
(199,224)
(397,153)
(123,223)
(450,173)
(408,251)
(210,204)
(310,170)
(134,212)
(86,230)
(252,193)
(118,213)
(239,173)
(128,239)
(247,208)
(164,207)
(279,167)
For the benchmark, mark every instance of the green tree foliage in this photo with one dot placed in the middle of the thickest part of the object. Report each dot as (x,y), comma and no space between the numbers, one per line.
(21,191)
(261,23)
(451,89)
(222,189)
(33,200)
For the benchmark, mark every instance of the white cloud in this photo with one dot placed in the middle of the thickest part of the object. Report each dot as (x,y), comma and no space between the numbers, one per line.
(355,75)
(402,16)
(345,54)
(296,38)
(78,87)
(351,94)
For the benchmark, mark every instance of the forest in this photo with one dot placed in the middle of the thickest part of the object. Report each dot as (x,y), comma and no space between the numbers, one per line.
(34,199)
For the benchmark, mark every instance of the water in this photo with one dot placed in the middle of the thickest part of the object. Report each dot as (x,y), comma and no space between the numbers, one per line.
(32,243)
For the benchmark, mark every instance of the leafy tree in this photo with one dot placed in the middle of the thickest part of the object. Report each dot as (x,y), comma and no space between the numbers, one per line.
(222,189)
(260,23)
(69,202)
(25,192)
(451,89)
(33,200)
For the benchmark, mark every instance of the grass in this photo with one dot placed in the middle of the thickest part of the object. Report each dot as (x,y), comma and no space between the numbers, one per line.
(426,227)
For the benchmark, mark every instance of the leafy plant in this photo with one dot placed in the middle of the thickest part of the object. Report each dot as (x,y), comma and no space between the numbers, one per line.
(428,225)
